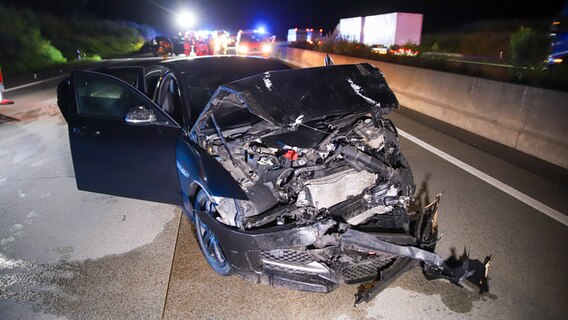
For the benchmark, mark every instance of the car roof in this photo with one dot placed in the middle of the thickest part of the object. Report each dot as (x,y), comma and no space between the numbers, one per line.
(216,65)
(180,65)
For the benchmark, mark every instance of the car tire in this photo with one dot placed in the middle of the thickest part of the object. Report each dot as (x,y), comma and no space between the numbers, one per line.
(208,242)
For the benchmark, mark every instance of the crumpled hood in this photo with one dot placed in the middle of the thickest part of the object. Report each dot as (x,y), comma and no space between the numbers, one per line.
(287,97)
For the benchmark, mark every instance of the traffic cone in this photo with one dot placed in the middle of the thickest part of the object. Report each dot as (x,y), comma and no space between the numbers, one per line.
(2,100)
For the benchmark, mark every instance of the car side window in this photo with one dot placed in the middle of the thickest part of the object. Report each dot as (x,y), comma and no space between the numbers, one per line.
(100,96)
(126,74)
(152,81)
(169,98)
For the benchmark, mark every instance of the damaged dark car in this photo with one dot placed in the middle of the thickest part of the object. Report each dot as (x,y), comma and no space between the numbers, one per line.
(293,177)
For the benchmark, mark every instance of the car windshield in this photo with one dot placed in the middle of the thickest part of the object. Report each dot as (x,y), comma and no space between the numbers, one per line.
(254,37)
(230,119)
(206,77)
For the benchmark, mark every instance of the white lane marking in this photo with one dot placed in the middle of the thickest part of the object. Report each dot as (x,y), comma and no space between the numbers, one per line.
(34,83)
(554,214)
(135,59)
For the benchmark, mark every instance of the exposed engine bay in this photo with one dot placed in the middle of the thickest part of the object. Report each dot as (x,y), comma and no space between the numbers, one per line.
(354,174)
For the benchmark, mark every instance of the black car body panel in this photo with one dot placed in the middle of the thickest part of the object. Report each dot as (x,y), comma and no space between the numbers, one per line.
(197,167)
(292,177)
(281,97)
(111,157)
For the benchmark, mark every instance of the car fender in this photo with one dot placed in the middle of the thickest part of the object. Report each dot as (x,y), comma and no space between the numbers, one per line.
(198,170)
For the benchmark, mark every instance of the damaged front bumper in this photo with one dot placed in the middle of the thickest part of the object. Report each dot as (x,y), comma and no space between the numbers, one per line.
(322,255)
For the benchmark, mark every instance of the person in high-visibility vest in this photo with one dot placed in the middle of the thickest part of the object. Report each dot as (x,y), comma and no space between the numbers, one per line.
(201,46)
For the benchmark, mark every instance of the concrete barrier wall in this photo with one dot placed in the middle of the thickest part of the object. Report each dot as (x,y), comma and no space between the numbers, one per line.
(528,119)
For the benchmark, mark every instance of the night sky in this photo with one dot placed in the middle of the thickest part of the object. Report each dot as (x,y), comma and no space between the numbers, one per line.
(278,16)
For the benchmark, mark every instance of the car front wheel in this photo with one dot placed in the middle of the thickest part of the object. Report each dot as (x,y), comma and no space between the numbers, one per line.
(208,241)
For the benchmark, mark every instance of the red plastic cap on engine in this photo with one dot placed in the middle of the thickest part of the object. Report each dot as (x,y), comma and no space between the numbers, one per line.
(291,154)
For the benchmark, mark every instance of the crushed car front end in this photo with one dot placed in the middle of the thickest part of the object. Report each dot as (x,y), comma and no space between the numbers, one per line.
(321,255)
(327,189)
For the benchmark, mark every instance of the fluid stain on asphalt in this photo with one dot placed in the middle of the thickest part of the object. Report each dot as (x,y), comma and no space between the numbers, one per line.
(103,198)
(41,111)
(130,285)
(106,287)
(459,300)
(197,292)
(4,118)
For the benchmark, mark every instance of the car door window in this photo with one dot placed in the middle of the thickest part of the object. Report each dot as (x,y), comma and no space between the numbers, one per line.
(169,98)
(101,96)
(133,75)
(153,81)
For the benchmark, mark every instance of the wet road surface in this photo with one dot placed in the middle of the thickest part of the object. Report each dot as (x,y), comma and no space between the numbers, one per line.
(69,254)
(65,253)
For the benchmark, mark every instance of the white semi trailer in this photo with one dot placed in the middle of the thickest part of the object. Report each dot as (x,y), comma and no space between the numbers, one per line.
(397,28)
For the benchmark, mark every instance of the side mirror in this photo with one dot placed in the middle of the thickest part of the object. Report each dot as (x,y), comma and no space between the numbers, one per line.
(140,116)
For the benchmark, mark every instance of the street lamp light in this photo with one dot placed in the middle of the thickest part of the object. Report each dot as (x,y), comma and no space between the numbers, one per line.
(185,19)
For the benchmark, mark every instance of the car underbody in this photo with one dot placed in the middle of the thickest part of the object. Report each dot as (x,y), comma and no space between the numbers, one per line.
(328,191)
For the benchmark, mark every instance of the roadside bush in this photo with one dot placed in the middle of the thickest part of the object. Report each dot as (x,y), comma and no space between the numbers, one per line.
(49,51)
(528,48)
(352,48)
(327,44)
(555,78)
(31,41)
(24,49)
(91,36)
(339,45)
(304,45)
(487,40)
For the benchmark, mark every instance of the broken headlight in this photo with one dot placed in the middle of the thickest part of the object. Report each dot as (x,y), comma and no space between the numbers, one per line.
(231,211)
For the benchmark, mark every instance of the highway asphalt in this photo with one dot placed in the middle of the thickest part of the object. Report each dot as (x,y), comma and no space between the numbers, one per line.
(69,254)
